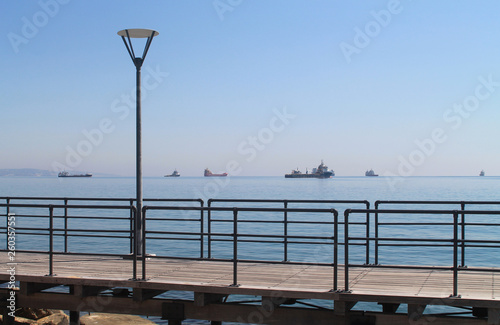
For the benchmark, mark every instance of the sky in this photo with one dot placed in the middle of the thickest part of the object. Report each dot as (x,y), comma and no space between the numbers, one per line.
(254,88)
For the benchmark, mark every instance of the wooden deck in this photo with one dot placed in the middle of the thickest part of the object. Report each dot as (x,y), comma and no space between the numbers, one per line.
(382,285)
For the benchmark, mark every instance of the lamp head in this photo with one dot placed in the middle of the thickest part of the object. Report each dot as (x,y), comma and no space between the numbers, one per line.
(127,34)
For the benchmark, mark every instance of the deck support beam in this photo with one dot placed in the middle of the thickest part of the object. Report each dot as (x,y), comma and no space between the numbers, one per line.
(86,291)
(140,294)
(28,288)
(277,301)
(415,312)
(389,308)
(341,307)
(173,312)
(494,316)
(202,299)
(74,317)
(7,320)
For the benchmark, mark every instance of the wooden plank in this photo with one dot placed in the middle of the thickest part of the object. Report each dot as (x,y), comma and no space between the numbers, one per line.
(295,281)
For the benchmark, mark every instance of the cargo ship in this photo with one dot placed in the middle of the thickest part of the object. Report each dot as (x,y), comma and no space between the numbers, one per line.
(208,173)
(370,173)
(481,173)
(174,174)
(67,174)
(320,172)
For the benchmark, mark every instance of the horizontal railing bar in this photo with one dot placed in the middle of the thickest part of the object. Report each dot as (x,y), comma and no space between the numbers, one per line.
(69,206)
(171,219)
(408,267)
(68,253)
(288,201)
(414,224)
(72,217)
(408,239)
(414,211)
(243,209)
(173,238)
(229,260)
(92,236)
(416,245)
(93,199)
(281,242)
(280,221)
(434,202)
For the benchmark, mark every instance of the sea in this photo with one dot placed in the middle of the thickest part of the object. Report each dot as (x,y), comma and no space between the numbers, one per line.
(471,188)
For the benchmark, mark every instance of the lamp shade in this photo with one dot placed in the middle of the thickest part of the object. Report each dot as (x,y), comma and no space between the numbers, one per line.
(138,33)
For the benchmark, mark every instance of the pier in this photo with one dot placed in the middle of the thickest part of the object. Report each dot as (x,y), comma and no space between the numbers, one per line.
(344,279)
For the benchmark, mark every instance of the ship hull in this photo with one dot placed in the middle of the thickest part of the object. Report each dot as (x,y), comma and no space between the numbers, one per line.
(324,175)
(75,176)
(216,175)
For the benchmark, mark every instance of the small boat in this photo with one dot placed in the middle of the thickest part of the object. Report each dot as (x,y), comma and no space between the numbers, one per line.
(174,174)
(208,173)
(481,173)
(320,172)
(67,174)
(370,173)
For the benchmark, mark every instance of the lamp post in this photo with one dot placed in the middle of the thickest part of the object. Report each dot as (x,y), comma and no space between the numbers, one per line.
(126,35)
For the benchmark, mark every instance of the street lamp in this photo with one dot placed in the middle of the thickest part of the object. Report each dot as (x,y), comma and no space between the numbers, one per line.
(126,35)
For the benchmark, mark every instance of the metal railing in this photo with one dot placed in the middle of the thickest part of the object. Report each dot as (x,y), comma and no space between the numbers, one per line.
(285,220)
(236,236)
(454,241)
(456,205)
(67,200)
(244,226)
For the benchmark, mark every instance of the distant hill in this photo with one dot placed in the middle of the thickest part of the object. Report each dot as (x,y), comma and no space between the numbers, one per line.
(26,172)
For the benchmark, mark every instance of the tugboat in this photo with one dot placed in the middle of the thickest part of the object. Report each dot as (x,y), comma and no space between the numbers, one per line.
(320,172)
(370,173)
(174,174)
(67,174)
(208,173)
(481,173)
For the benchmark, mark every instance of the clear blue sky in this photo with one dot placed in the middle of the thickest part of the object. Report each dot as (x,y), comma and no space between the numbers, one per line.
(403,87)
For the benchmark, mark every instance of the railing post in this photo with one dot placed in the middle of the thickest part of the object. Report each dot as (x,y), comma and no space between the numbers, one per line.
(235,248)
(133,246)
(132,234)
(202,228)
(285,232)
(367,234)
(455,254)
(209,229)
(51,240)
(335,248)
(462,245)
(346,249)
(143,237)
(65,225)
(7,211)
(376,233)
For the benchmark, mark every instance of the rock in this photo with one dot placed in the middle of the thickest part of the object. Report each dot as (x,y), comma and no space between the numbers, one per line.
(113,319)
(32,313)
(31,316)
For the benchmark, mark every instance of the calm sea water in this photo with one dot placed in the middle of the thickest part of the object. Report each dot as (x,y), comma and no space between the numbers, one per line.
(337,188)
